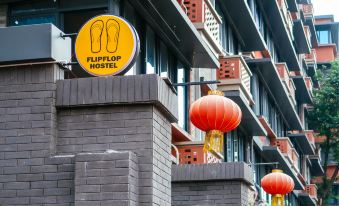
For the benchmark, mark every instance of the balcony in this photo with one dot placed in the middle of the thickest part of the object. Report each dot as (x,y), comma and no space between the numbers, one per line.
(305,141)
(270,132)
(171,19)
(295,160)
(326,53)
(267,70)
(234,74)
(288,20)
(192,152)
(277,21)
(291,89)
(309,195)
(316,167)
(309,84)
(303,94)
(308,34)
(301,37)
(311,58)
(249,35)
(206,20)
(283,155)
(308,10)
(311,189)
(285,146)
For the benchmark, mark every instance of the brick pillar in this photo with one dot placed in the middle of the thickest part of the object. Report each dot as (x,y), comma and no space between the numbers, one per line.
(130,113)
(106,179)
(27,135)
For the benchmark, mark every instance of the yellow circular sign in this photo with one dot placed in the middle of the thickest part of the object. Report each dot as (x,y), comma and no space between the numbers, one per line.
(106,45)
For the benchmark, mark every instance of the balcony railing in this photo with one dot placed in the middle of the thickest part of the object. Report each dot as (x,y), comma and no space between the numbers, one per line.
(308,10)
(288,20)
(287,81)
(311,58)
(291,89)
(308,34)
(234,74)
(285,146)
(295,159)
(311,189)
(192,152)
(310,136)
(309,84)
(205,19)
(326,53)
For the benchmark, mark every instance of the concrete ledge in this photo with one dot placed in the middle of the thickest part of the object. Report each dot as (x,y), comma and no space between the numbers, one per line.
(135,89)
(209,172)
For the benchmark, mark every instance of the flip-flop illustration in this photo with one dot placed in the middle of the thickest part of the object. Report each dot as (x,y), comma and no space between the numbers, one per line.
(96,32)
(112,30)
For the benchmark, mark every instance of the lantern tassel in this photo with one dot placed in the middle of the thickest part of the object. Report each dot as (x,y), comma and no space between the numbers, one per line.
(214,141)
(277,200)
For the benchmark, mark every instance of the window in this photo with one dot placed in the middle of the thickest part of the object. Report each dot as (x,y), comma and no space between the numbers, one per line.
(163,66)
(150,52)
(182,76)
(227,39)
(236,146)
(324,37)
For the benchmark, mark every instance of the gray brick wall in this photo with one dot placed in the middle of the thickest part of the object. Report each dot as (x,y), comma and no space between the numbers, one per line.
(28,176)
(212,184)
(3,15)
(211,193)
(39,142)
(143,129)
(106,179)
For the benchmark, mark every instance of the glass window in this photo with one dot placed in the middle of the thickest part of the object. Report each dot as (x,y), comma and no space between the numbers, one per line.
(163,60)
(236,146)
(35,19)
(150,52)
(324,37)
(182,96)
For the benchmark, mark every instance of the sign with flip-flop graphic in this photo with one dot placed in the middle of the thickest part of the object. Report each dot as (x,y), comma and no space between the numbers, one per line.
(107,45)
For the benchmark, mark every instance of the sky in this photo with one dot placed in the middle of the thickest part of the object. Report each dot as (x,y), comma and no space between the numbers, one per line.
(326,7)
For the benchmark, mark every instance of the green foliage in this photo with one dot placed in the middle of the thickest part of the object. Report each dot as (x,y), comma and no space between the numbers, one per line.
(324,117)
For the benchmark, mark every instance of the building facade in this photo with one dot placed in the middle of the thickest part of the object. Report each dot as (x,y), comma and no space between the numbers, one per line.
(68,138)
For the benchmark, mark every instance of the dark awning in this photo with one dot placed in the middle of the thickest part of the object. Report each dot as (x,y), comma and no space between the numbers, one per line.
(316,167)
(302,94)
(166,15)
(303,143)
(306,199)
(292,5)
(280,34)
(272,154)
(310,22)
(240,15)
(333,26)
(249,121)
(300,37)
(268,71)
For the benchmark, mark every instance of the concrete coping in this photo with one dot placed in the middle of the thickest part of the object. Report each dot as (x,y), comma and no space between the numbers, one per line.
(118,90)
(226,171)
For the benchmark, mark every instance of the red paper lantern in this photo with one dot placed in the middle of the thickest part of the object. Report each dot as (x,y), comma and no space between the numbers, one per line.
(215,114)
(277,184)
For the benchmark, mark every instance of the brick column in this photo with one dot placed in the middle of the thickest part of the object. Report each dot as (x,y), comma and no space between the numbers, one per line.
(27,136)
(130,113)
